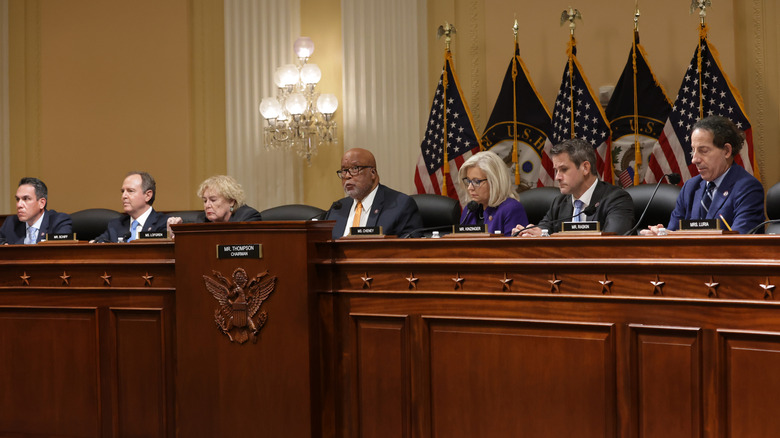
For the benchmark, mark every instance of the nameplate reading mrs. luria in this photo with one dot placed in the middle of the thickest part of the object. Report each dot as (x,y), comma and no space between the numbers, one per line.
(699,224)
(243,251)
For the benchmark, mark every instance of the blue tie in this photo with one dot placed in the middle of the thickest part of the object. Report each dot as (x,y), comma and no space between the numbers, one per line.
(577,210)
(706,199)
(133,231)
(32,236)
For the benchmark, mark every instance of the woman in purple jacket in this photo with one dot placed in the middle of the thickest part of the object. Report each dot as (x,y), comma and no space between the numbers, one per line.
(493,201)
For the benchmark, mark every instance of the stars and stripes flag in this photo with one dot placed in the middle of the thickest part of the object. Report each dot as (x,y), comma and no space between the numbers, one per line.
(450,139)
(636,113)
(519,128)
(578,114)
(705,91)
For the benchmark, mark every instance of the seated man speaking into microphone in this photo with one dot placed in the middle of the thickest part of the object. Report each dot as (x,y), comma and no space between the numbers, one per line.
(368,203)
(721,190)
(583,196)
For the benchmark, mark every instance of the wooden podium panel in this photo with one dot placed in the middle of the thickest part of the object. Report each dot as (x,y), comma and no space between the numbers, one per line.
(86,340)
(268,388)
(565,336)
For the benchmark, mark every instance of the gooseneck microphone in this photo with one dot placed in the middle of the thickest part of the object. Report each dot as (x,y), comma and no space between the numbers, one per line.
(755,229)
(674,179)
(589,210)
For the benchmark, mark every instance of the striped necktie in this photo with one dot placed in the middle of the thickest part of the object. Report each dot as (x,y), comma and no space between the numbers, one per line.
(706,199)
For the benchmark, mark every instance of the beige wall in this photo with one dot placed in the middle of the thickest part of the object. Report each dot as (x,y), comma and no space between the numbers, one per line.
(101,87)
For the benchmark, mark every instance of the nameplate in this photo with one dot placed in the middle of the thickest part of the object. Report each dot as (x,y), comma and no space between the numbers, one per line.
(153,235)
(580,226)
(365,231)
(66,236)
(245,251)
(699,224)
(471,228)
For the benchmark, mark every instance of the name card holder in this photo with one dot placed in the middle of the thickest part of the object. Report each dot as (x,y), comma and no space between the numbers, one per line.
(701,226)
(54,239)
(584,227)
(365,233)
(151,235)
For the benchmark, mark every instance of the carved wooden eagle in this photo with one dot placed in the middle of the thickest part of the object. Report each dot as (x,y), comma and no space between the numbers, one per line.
(239,301)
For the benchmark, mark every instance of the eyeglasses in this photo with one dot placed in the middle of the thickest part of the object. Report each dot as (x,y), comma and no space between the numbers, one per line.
(354,171)
(476,182)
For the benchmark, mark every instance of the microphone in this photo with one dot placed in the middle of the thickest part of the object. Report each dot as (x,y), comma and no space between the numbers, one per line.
(755,229)
(674,179)
(423,230)
(589,210)
(322,216)
(126,236)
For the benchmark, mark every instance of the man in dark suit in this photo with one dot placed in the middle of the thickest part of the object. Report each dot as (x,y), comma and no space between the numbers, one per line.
(574,162)
(138,191)
(33,221)
(721,189)
(369,203)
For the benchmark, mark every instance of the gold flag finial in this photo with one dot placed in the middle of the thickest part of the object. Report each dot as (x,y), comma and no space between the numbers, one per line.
(515,28)
(448,31)
(702,6)
(570,15)
(636,17)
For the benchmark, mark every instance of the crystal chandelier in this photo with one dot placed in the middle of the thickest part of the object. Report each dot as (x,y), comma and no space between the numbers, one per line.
(299,118)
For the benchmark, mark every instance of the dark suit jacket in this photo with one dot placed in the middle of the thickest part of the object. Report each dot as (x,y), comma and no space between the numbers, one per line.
(614,210)
(394,211)
(739,198)
(120,226)
(13,231)
(244,213)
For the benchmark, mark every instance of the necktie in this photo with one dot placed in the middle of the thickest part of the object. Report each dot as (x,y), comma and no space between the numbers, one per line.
(577,210)
(706,199)
(32,236)
(133,230)
(358,213)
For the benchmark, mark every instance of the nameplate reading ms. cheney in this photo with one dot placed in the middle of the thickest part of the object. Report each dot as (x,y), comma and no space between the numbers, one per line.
(241,251)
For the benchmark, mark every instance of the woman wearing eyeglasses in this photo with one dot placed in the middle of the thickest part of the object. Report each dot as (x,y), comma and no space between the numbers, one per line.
(493,201)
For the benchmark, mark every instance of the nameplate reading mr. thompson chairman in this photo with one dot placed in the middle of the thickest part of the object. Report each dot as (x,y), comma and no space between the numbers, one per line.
(241,251)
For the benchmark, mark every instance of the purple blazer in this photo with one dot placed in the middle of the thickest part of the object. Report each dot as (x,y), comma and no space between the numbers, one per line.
(505,217)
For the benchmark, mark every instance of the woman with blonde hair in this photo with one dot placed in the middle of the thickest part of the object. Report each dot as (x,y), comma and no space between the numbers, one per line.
(493,201)
(223,201)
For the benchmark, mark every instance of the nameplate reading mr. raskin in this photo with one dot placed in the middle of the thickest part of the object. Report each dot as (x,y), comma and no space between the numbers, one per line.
(699,224)
(580,226)
(242,251)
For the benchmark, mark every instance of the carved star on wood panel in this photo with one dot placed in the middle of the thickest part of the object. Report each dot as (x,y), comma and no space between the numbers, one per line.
(25,278)
(106,279)
(769,289)
(555,284)
(147,279)
(606,285)
(65,278)
(412,281)
(458,281)
(366,280)
(712,288)
(658,285)
(506,283)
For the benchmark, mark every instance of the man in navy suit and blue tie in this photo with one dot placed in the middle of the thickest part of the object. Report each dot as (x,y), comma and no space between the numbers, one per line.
(723,189)
(138,191)
(368,203)
(33,221)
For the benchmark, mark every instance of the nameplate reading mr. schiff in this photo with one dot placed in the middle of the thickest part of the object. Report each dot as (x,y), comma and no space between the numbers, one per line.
(580,226)
(699,224)
(243,251)
(68,236)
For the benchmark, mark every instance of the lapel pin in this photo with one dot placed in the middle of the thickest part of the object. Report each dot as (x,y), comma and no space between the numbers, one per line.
(726,193)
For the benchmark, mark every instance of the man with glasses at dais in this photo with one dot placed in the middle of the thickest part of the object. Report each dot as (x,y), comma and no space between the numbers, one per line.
(368,203)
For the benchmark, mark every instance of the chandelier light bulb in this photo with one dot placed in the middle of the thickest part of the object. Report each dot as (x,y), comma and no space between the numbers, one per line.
(288,75)
(327,103)
(270,108)
(303,47)
(296,104)
(310,74)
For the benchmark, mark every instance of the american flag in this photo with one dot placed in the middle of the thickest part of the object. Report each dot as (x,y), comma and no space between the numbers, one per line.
(578,114)
(704,92)
(450,120)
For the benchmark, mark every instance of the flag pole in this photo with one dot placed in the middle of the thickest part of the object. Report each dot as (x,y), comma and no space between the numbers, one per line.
(570,15)
(515,152)
(702,5)
(447,30)
(637,147)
